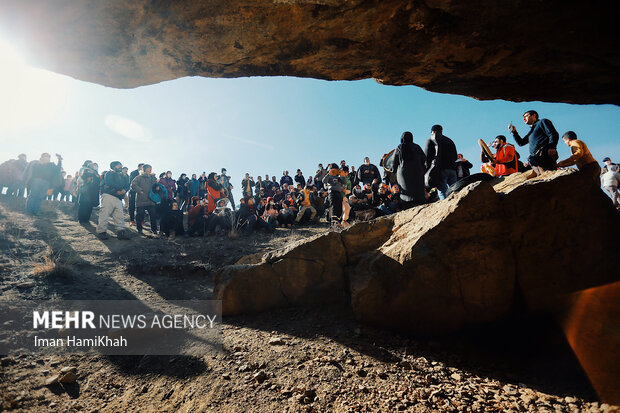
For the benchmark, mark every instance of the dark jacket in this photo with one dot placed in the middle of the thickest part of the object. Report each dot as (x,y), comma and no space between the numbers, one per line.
(88,184)
(409,167)
(49,172)
(182,187)
(286,179)
(441,150)
(244,212)
(464,166)
(112,183)
(367,173)
(244,186)
(300,180)
(333,182)
(542,136)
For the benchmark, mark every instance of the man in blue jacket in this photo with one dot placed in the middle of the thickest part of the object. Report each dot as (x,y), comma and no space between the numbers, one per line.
(543,141)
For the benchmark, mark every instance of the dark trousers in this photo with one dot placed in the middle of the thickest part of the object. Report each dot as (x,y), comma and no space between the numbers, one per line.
(232,200)
(256,222)
(132,206)
(85,209)
(152,216)
(171,223)
(543,160)
(222,221)
(335,200)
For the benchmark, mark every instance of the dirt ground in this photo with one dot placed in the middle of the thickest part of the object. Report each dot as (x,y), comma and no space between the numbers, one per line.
(299,359)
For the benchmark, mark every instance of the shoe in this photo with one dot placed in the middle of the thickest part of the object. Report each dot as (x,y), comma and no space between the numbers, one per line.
(132,223)
(103,235)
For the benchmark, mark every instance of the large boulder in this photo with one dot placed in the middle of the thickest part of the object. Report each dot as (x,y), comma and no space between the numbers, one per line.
(444,266)
(304,273)
(483,252)
(561,51)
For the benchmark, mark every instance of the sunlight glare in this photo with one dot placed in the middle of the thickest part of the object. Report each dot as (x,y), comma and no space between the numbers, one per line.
(30,97)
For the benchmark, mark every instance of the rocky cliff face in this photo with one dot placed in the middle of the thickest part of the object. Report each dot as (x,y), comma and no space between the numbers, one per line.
(484,252)
(527,50)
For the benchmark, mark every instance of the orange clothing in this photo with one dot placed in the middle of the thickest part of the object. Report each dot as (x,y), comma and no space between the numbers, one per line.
(306,200)
(212,196)
(506,158)
(580,155)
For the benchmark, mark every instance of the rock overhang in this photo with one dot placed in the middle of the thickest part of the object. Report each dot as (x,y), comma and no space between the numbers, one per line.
(529,50)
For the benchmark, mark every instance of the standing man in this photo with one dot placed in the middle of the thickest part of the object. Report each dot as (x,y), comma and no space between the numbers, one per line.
(543,141)
(367,172)
(335,184)
(141,186)
(580,156)
(286,179)
(42,178)
(132,194)
(203,185)
(462,166)
(225,181)
(112,193)
(319,175)
(440,154)
(247,184)
(299,178)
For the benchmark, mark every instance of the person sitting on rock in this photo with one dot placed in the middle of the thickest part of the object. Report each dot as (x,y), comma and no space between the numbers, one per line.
(505,162)
(462,166)
(542,139)
(305,200)
(580,156)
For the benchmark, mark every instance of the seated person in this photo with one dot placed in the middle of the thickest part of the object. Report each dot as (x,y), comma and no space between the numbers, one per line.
(320,200)
(382,200)
(286,216)
(248,219)
(221,218)
(270,215)
(395,204)
(172,221)
(198,217)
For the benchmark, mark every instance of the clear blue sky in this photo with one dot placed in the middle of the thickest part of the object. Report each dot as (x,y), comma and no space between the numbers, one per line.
(257,125)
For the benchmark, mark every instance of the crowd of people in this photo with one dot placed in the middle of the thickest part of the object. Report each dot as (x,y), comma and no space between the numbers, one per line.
(204,205)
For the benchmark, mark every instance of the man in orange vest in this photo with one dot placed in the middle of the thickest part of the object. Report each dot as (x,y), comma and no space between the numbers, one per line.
(305,201)
(505,161)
